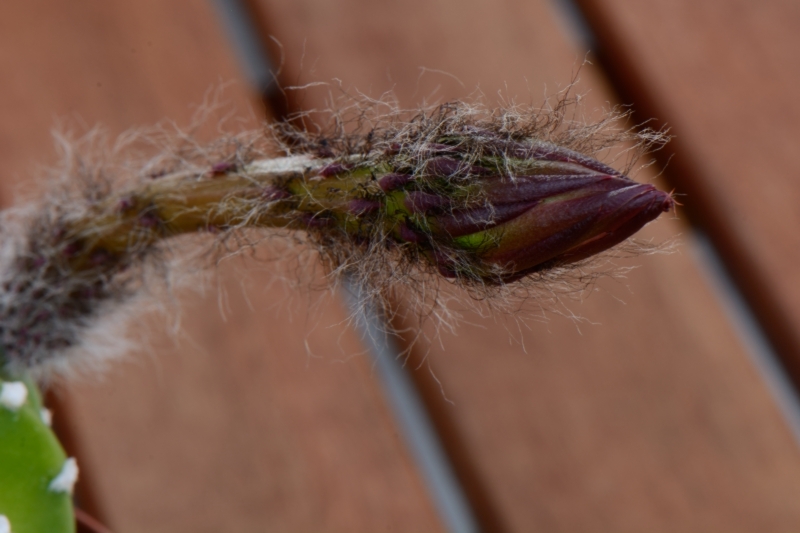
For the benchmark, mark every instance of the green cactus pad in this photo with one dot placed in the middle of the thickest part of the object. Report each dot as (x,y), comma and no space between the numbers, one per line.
(30,458)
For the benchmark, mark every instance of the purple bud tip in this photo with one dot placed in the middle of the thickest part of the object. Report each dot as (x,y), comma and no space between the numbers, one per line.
(576,226)
(391,182)
(642,204)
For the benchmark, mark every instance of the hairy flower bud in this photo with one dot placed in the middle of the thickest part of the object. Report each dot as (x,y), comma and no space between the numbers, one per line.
(591,215)
(514,211)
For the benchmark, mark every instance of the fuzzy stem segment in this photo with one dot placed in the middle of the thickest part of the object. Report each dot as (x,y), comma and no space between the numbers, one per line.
(253,196)
(76,261)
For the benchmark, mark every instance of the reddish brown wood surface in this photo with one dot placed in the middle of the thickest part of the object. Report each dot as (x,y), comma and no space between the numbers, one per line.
(653,420)
(725,76)
(264,420)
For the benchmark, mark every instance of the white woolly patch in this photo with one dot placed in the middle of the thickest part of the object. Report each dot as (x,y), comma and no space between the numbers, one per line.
(47,416)
(280,165)
(66,479)
(5,524)
(13,395)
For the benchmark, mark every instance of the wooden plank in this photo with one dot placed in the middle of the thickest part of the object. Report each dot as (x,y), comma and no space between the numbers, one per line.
(268,419)
(724,76)
(654,420)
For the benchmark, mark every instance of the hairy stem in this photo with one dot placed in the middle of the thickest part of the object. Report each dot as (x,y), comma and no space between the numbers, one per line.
(265,193)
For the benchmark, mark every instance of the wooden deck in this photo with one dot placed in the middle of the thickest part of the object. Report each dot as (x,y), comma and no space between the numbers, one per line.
(650,416)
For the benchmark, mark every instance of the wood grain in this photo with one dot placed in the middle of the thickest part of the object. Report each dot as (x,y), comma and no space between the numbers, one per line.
(652,420)
(724,76)
(268,418)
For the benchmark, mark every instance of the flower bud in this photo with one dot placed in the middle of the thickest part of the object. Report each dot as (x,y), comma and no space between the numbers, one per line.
(500,219)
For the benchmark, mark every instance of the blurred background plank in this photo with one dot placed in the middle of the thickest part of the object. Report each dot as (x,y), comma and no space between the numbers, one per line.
(653,420)
(725,76)
(269,420)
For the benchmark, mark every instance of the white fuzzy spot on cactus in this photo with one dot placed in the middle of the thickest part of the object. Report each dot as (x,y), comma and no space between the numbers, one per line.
(13,395)
(47,416)
(5,525)
(65,480)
